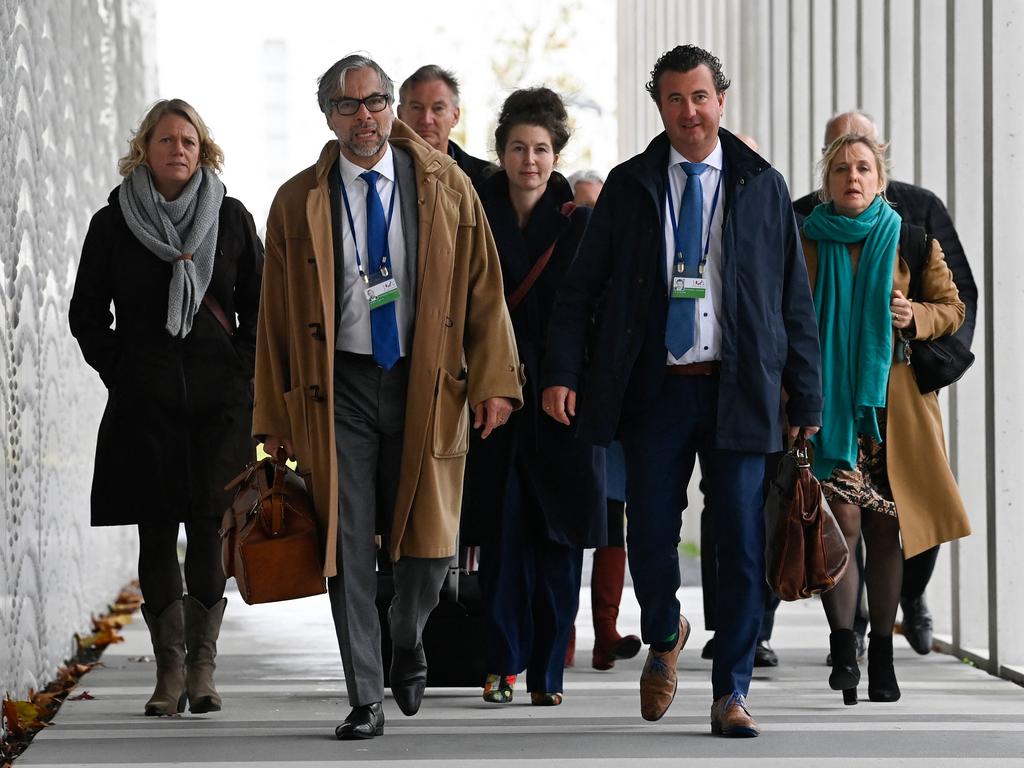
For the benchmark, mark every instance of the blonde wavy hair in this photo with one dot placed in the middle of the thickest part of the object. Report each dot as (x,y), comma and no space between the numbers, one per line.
(878,149)
(210,154)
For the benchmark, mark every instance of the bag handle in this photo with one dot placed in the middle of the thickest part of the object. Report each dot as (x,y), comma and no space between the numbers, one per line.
(538,266)
(275,496)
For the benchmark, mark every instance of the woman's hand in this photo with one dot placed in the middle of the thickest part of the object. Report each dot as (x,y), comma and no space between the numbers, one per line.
(902,311)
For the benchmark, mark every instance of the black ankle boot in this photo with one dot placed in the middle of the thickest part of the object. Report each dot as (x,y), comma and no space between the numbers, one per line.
(845,672)
(882,685)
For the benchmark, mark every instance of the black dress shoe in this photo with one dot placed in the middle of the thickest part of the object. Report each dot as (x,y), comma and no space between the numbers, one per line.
(764,656)
(917,624)
(363,722)
(708,651)
(408,677)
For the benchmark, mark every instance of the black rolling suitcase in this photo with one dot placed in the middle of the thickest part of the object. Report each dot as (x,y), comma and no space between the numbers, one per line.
(453,638)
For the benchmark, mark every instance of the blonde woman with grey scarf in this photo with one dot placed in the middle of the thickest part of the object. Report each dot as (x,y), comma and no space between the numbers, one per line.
(181,264)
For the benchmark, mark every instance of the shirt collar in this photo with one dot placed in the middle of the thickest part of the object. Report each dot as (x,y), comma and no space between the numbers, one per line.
(713,160)
(350,171)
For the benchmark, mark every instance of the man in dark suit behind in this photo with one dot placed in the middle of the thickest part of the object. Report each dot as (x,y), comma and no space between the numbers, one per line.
(922,207)
(693,266)
(429,104)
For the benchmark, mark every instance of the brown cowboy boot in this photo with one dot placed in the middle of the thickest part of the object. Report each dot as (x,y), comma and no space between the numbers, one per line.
(606,580)
(167,632)
(202,627)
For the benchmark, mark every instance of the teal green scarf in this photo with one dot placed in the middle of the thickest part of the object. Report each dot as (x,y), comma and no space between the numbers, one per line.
(854,327)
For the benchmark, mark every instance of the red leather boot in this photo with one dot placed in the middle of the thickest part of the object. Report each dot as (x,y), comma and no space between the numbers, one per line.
(606,581)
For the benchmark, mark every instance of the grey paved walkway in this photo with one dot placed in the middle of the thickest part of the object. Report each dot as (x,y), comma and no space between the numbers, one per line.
(281,680)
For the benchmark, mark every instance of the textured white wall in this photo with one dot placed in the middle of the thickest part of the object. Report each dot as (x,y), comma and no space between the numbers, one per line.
(74,79)
(944,79)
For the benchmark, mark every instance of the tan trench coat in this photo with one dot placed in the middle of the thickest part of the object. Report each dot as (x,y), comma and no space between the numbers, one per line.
(463,346)
(928,502)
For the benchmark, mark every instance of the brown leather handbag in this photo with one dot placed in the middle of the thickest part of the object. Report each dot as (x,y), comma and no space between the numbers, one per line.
(805,550)
(270,537)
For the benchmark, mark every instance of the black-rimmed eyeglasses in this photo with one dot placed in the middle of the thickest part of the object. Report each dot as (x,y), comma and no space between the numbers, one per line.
(375,102)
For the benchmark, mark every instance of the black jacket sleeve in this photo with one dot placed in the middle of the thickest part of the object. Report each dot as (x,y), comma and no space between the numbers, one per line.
(247,289)
(89,314)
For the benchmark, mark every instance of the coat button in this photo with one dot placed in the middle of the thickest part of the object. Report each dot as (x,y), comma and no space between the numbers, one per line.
(629,331)
(448,322)
(315,393)
(317,332)
(741,182)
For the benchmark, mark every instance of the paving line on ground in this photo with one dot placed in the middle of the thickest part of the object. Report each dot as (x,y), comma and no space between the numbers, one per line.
(398,728)
(591,762)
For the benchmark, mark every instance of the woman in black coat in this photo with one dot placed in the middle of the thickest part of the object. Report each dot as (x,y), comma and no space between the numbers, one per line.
(535,495)
(179,261)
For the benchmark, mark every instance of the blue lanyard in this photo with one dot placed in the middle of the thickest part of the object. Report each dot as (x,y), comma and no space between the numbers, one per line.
(355,242)
(675,225)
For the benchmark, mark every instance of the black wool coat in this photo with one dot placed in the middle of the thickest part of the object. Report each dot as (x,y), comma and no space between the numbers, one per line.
(477,169)
(178,418)
(614,304)
(563,477)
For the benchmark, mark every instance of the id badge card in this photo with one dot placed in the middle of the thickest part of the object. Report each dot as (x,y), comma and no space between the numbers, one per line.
(381,291)
(689,288)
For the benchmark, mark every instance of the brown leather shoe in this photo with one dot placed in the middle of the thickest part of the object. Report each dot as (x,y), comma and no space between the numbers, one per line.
(730,717)
(658,681)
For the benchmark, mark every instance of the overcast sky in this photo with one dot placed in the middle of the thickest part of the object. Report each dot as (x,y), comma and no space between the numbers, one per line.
(250,68)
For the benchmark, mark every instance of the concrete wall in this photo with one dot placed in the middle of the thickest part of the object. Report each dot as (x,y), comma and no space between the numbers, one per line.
(75,76)
(944,79)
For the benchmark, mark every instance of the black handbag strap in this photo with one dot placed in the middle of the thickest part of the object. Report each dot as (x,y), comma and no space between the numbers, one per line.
(915,248)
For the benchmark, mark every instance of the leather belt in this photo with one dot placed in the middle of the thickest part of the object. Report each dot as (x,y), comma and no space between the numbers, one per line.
(706,368)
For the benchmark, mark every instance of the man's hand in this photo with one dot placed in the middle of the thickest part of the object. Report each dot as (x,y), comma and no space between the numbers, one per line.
(804,432)
(491,414)
(560,404)
(272,442)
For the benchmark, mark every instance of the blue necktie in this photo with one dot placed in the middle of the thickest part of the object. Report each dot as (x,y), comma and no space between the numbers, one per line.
(682,312)
(383,323)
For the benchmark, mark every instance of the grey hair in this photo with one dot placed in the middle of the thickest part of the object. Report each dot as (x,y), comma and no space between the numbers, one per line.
(427,74)
(585,176)
(846,115)
(333,80)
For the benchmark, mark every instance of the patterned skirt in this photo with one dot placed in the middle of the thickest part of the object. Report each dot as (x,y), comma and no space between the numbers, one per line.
(867,486)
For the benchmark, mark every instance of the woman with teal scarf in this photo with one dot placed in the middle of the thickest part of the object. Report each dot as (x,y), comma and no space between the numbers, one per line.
(880,445)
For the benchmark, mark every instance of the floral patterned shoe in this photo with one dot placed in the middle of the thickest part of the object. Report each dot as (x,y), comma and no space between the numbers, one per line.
(541,699)
(498,688)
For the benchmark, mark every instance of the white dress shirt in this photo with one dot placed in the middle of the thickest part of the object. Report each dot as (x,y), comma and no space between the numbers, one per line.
(707,335)
(354,328)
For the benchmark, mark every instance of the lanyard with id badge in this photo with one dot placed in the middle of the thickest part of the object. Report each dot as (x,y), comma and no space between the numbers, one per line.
(381,288)
(690,284)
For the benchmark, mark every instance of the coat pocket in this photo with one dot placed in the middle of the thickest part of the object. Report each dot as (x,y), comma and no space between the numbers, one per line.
(451,417)
(295,403)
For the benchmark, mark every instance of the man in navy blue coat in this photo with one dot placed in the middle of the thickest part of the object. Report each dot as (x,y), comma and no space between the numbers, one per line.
(685,313)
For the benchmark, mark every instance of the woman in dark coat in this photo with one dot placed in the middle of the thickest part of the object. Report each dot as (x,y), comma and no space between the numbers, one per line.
(179,261)
(535,492)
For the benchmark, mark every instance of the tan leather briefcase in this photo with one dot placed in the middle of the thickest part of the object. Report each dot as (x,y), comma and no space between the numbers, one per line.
(270,538)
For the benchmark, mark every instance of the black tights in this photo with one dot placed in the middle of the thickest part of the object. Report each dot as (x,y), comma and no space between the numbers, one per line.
(616,523)
(883,570)
(160,574)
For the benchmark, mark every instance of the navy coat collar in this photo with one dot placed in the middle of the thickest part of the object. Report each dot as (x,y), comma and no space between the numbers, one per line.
(648,168)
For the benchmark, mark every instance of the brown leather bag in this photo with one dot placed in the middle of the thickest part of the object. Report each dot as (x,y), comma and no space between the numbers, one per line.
(270,537)
(805,550)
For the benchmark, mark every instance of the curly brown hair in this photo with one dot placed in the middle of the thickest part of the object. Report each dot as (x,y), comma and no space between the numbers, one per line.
(533,106)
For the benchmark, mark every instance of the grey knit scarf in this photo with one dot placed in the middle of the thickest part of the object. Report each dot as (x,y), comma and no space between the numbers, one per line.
(182,231)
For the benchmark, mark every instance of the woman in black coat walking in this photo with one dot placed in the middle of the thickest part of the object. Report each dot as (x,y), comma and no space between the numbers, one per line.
(535,494)
(179,261)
